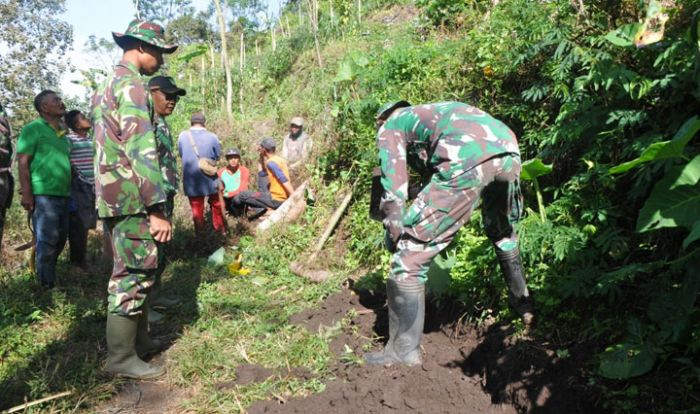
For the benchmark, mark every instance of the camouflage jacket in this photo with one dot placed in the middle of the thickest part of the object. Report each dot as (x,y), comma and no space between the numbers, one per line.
(128,175)
(442,140)
(5,141)
(166,154)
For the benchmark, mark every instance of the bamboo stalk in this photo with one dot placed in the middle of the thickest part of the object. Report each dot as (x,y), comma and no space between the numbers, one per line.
(39,401)
(331,225)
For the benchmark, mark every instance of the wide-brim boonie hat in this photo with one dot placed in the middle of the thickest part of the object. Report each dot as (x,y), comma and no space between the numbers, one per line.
(147,32)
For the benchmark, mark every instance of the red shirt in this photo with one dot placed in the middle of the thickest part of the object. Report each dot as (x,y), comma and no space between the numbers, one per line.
(234,182)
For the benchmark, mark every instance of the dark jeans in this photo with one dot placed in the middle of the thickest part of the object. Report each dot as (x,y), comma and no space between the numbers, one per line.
(83,217)
(50,218)
(258,200)
(234,206)
(77,239)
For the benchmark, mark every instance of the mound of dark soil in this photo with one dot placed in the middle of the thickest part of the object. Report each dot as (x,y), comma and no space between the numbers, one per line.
(465,369)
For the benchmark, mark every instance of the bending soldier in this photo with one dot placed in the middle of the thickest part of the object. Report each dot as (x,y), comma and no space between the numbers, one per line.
(467,155)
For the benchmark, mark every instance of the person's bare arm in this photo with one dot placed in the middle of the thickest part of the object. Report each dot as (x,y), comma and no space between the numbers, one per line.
(23,163)
(288,188)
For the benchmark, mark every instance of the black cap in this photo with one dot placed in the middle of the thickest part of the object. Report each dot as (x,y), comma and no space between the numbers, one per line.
(233,152)
(268,143)
(167,85)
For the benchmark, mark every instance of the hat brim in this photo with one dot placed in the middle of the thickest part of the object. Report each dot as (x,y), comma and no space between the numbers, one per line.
(120,37)
(174,91)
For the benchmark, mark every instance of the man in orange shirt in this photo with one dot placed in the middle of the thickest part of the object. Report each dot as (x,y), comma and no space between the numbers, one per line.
(274,183)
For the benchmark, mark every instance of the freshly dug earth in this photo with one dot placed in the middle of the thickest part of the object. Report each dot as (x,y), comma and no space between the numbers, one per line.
(465,369)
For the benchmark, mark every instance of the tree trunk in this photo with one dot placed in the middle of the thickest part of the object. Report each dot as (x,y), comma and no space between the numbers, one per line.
(241,70)
(224,57)
(273,38)
(312,5)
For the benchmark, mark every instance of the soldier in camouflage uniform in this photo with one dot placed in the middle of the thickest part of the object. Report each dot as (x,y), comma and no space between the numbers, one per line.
(165,96)
(6,179)
(463,154)
(131,195)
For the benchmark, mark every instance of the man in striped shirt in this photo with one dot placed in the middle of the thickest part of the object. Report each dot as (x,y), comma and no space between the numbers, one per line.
(83,214)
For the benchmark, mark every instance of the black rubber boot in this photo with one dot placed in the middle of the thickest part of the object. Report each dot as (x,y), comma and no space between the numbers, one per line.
(122,359)
(406,316)
(518,295)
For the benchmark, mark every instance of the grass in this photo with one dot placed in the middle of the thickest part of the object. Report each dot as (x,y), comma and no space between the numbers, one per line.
(53,341)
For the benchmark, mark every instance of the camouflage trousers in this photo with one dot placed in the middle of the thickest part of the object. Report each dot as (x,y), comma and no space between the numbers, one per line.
(135,264)
(162,257)
(444,206)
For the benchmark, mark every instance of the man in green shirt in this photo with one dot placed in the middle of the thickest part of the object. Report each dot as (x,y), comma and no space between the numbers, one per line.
(44,173)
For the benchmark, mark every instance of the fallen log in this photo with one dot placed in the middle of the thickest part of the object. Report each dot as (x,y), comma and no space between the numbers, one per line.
(290,210)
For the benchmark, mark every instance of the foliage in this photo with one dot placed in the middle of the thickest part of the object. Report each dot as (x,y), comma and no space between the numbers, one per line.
(163,11)
(33,40)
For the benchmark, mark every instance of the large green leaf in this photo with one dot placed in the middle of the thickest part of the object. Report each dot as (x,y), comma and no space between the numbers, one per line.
(674,201)
(624,36)
(627,360)
(439,278)
(192,52)
(694,235)
(665,149)
(347,70)
(534,168)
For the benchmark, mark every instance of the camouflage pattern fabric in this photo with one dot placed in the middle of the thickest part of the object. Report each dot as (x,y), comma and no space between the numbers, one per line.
(463,152)
(129,177)
(166,155)
(6,179)
(149,32)
(135,263)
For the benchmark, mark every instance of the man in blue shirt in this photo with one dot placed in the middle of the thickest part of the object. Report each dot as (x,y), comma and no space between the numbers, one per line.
(193,144)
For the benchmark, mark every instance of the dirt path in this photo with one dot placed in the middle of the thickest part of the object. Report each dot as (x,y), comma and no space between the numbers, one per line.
(465,370)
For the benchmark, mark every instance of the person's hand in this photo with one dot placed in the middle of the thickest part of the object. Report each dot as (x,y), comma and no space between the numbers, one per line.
(27,201)
(160,227)
(391,238)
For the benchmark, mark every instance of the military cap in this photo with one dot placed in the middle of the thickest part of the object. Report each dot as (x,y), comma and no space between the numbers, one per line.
(388,108)
(147,32)
(167,85)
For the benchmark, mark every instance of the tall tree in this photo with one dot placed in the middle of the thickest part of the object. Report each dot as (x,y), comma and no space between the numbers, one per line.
(164,11)
(224,58)
(33,43)
(188,29)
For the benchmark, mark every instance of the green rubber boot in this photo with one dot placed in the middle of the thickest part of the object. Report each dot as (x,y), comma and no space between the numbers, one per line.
(121,358)
(406,317)
(162,301)
(145,345)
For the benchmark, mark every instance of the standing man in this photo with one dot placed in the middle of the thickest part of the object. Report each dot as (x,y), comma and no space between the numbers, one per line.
(274,184)
(296,146)
(44,174)
(165,96)
(82,211)
(193,144)
(7,182)
(464,154)
(131,195)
